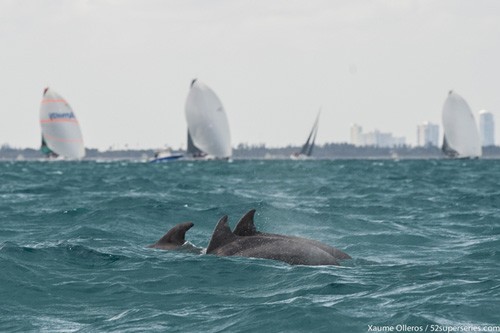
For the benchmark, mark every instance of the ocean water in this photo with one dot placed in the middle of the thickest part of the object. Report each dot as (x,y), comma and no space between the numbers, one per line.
(424,237)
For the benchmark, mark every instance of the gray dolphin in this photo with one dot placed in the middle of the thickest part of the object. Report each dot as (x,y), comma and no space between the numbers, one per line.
(246,228)
(292,250)
(174,238)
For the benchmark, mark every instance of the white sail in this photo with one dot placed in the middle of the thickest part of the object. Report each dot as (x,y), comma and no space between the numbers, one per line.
(61,132)
(207,121)
(461,136)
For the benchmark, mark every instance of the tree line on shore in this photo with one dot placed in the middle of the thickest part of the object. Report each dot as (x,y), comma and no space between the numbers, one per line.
(260,151)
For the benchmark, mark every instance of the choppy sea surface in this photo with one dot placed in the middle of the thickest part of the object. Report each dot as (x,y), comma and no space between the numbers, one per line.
(424,237)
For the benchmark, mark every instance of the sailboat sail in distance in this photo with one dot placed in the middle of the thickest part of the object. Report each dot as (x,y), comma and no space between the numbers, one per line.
(208,127)
(308,147)
(461,136)
(61,134)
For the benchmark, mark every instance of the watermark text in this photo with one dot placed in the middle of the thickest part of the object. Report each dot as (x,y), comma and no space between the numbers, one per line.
(433,328)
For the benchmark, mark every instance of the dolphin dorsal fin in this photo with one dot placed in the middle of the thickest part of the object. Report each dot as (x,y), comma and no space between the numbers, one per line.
(176,235)
(221,236)
(246,226)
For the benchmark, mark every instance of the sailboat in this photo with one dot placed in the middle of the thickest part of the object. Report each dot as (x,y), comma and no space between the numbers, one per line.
(461,136)
(165,155)
(307,148)
(61,134)
(208,127)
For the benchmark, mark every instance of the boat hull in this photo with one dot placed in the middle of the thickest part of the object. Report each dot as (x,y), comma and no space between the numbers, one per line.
(167,158)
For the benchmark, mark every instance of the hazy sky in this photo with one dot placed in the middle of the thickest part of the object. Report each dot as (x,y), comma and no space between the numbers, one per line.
(125,65)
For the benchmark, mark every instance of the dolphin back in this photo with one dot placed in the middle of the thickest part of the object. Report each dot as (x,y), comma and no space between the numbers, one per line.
(174,238)
(221,236)
(246,227)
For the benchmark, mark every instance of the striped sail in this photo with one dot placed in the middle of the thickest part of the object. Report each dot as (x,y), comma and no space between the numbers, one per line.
(61,134)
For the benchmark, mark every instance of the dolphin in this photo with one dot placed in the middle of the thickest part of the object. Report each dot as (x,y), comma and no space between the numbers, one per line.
(174,238)
(292,250)
(246,228)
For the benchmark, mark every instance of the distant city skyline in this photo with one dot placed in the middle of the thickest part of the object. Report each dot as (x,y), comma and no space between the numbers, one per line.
(125,66)
(374,138)
(428,134)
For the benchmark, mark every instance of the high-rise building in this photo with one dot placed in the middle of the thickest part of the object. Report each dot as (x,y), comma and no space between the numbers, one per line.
(375,138)
(357,135)
(486,128)
(427,134)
